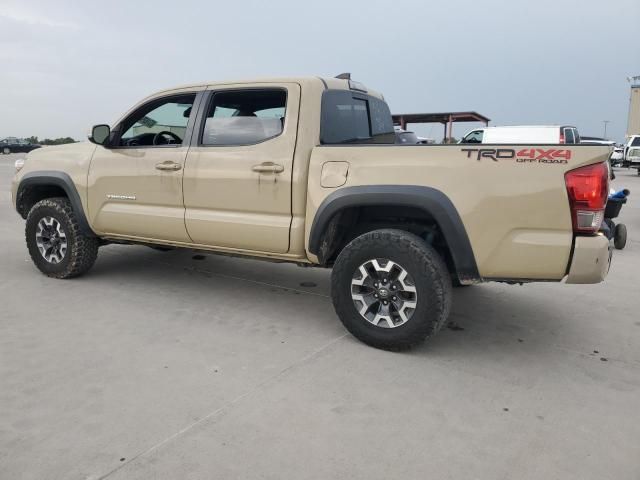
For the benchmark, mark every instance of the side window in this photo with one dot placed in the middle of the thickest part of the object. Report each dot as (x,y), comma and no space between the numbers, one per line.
(474,137)
(568,136)
(635,142)
(576,135)
(244,117)
(159,123)
(348,117)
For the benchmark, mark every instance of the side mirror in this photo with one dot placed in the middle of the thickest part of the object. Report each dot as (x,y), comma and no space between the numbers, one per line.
(100,134)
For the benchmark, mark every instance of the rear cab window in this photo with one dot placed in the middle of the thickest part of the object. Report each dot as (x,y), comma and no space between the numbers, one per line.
(350,117)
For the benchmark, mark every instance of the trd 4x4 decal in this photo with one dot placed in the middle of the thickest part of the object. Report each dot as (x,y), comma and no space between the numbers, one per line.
(524,155)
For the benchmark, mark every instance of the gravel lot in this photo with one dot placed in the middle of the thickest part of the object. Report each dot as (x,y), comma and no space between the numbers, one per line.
(166,366)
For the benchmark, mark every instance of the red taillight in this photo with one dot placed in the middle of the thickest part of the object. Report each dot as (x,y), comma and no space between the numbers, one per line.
(588,189)
(561,137)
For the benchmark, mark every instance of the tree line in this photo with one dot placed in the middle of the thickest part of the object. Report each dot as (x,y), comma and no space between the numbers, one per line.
(50,141)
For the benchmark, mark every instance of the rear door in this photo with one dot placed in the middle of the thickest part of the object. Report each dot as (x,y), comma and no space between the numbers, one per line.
(237,177)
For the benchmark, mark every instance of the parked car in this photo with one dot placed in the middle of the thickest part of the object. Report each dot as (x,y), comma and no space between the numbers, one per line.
(404,137)
(633,141)
(596,141)
(633,158)
(16,145)
(306,171)
(617,156)
(526,134)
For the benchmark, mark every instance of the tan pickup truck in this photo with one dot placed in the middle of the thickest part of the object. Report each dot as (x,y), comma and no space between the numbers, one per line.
(305,170)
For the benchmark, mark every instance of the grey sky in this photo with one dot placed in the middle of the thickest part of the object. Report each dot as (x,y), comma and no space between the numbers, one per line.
(67,65)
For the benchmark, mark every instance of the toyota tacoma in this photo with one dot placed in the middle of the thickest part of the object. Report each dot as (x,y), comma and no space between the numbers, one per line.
(306,170)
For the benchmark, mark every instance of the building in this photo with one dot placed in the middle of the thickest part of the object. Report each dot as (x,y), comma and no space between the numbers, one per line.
(633,123)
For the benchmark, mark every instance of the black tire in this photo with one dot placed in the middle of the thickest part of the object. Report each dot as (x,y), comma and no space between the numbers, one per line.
(423,264)
(81,251)
(620,236)
(6,151)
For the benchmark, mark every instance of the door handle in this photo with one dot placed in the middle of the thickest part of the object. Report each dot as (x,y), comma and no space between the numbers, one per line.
(268,167)
(168,166)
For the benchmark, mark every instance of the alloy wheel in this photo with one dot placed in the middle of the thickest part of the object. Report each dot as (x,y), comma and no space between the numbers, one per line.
(51,240)
(384,293)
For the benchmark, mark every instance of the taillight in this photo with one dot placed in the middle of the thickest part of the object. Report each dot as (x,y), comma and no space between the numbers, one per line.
(588,189)
(561,137)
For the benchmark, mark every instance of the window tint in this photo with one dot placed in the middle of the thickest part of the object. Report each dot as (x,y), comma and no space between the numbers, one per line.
(474,137)
(635,142)
(348,117)
(162,122)
(244,117)
(576,135)
(568,135)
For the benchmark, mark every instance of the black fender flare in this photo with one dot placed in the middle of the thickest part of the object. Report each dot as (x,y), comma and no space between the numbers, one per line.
(431,200)
(63,181)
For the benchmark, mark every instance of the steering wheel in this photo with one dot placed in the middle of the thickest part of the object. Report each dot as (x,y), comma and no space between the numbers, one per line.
(159,135)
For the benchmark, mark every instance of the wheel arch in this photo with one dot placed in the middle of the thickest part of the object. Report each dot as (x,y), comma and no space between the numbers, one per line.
(38,185)
(432,203)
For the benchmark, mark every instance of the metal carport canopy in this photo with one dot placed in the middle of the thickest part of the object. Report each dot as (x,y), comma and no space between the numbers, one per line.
(446,118)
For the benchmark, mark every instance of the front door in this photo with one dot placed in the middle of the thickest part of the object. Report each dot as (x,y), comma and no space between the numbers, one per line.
(135,184)
(237,178)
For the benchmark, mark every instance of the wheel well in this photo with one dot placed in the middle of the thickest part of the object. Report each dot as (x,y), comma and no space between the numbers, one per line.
(29,195)
(351,222)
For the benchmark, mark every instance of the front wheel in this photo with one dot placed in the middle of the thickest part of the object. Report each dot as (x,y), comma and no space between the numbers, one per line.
(391,289)
(56,245)
(6,150)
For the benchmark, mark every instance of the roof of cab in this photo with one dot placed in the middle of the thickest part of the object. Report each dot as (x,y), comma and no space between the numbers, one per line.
(328,82)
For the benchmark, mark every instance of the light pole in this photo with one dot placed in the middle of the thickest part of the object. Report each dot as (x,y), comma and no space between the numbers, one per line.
(605,128)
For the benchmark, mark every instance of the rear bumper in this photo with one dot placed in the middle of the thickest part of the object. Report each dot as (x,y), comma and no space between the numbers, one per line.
(591,260)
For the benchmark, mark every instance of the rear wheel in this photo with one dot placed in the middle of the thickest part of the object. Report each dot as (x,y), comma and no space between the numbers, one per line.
(55,242)
(391,289)
(620,236)
(6,150)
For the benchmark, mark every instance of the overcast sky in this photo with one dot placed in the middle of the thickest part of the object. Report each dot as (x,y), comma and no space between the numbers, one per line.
(67,65)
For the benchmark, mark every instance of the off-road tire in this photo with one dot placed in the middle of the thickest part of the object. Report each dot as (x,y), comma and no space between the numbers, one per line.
(421,261)
(81,250)
(620,236)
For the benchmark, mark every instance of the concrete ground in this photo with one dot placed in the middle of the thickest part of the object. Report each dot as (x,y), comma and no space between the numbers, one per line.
(164,366)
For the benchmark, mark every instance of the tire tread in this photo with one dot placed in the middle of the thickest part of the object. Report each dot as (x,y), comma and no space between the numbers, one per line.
(429,263)
(82,249)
